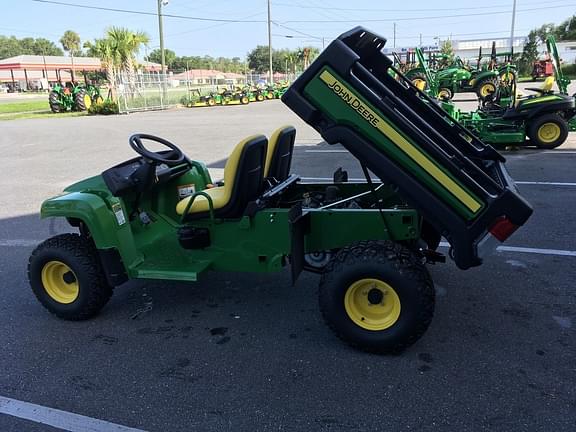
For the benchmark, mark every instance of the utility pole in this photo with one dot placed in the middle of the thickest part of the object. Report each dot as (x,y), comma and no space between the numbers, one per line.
(512,28)
(394,35)
(160,30)
(271,76)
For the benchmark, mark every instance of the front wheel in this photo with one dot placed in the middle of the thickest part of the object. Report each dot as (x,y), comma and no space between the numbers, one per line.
(486,87)
(66,276)
(377,296)
(445,94)
(548,131)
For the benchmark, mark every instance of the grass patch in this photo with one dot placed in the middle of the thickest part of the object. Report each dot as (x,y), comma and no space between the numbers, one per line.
(21,107)
(42,114)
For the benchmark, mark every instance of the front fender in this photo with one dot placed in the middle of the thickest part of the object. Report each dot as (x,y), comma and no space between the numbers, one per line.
(106,221)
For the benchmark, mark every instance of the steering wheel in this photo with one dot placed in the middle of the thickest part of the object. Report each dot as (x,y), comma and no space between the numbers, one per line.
(170,158)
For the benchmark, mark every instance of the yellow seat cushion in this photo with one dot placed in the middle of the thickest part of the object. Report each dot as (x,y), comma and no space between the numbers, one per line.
(272,143)
(200,204)
(220,195)
(548,84)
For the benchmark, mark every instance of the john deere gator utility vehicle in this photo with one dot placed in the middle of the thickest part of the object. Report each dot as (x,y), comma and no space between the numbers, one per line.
(159,215)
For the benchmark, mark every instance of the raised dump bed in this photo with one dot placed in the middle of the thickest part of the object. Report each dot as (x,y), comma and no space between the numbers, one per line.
(352,95)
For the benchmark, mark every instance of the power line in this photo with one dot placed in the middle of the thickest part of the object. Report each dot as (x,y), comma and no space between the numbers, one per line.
(194,18)
(424,17)
(408,10)
(154,14)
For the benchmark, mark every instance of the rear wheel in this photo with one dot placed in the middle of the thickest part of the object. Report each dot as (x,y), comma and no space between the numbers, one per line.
(244,100)
(211,102)
(377,296)
(66,276)
(54,101)
(259,97)
(486,87)
(82,100)
(419,80)
(445,93)
(548,131)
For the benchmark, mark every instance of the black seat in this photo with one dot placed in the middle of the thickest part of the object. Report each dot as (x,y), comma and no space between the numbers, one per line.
(279,156)
(243,182)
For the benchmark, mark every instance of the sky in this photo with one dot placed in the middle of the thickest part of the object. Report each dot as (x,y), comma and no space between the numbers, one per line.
(295,23)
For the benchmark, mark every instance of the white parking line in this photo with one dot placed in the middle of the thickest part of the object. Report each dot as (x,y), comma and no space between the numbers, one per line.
(19,243)
(326,151)
(545,183)
(363,180)
(553,252)
(59,419)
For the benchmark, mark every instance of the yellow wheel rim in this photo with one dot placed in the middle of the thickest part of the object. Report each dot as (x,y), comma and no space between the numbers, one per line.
(60,282)
(372,304)
(245,100)
(87,101)
(99,100)
(487,89)
(443,94)
(549,132)
(420,83)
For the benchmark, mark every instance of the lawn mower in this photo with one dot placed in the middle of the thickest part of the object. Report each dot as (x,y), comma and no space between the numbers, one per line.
(161,216)
(254,93)
(237,96)
(197,99)
(505,118)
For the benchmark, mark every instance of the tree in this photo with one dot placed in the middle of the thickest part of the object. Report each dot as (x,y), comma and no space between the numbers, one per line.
(447,51)
(105,50)
(566,30)
(156,57)
(529,53)
(71,43)
(258,59)
(11,47)
(125,45)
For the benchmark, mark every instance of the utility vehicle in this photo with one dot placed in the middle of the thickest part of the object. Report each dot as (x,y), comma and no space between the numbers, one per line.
(161,216)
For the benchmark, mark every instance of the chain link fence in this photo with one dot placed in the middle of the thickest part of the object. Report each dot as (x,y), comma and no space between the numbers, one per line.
(146,91)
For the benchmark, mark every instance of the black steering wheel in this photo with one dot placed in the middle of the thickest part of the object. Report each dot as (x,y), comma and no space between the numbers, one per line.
(173,157)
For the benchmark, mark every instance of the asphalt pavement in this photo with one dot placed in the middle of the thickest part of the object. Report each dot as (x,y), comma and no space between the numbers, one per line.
(245,352)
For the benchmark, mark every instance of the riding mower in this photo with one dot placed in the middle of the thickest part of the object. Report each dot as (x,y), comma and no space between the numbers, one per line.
(506,118)
(237,96)
(161,216)
(197,99)
(254,93)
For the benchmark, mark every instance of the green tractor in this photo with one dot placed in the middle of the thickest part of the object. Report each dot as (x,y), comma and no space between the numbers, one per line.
(69,97)
(73,96)
(506,118)
(459,77)
(160,216)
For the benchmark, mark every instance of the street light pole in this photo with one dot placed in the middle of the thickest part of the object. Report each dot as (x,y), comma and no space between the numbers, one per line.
(160,30)
(512,29)
(271,74)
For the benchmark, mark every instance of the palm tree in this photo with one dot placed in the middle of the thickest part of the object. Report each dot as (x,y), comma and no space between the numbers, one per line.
(70,41)
(104,49)
(126,44)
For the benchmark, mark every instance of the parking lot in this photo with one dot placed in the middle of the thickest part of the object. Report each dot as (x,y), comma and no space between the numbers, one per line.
(245,352)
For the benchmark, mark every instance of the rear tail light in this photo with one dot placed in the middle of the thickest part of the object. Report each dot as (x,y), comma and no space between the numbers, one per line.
(502,228)
(498,232)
